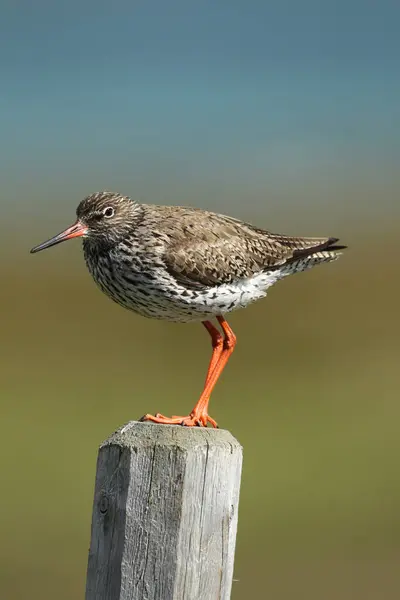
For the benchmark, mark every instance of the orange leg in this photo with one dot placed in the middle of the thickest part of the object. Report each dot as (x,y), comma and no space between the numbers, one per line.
(217,344)
(222,349)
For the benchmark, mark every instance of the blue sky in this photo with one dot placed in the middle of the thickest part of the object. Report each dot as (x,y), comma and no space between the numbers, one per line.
(200,99)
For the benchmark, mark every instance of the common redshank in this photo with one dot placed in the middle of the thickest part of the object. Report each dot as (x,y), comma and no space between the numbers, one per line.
(185,264)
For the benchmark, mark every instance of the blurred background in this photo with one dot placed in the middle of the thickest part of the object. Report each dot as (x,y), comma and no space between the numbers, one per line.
(281,113)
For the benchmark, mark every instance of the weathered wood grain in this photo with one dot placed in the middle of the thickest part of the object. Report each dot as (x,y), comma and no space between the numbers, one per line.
(165,514)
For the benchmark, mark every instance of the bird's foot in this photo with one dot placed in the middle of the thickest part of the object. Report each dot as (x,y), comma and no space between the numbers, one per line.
(193,420)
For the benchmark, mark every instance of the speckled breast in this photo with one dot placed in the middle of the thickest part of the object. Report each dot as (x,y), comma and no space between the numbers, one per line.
(154,293)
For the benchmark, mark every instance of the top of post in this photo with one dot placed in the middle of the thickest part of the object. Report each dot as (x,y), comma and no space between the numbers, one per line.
(136,433)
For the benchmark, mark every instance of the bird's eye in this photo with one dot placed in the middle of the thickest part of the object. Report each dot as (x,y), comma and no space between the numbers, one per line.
(108,212)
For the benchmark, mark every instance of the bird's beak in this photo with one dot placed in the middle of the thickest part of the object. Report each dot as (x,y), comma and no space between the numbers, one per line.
(76,230)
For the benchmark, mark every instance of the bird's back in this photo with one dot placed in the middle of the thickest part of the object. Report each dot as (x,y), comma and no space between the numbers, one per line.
(206,249)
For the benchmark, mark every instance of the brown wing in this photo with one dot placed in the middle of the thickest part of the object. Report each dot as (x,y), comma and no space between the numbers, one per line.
(206,249)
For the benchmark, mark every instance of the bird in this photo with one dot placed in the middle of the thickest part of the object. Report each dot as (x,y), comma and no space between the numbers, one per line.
(185,264)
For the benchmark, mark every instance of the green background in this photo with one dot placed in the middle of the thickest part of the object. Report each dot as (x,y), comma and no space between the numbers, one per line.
(311,392)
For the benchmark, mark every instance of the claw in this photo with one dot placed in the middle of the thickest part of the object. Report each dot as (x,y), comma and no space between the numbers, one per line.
(192,420)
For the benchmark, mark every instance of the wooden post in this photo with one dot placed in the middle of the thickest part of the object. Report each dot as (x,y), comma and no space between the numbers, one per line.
(165,514)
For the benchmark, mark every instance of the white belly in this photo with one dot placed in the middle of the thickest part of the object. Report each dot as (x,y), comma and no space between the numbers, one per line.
(182,305)
(158,295)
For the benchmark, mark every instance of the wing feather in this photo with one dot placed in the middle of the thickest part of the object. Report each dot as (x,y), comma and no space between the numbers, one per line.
(211,249)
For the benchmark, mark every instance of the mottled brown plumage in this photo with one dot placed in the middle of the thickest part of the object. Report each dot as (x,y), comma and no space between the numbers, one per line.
(207,249)
(186,264)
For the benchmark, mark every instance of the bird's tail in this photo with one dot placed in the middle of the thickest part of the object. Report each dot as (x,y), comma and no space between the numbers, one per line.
(308,252)
(315,246)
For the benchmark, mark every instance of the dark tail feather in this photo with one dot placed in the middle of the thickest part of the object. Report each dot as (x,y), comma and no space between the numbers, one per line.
(327,246)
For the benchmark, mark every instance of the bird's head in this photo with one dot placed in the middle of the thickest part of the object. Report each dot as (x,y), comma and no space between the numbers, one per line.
(103,218)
